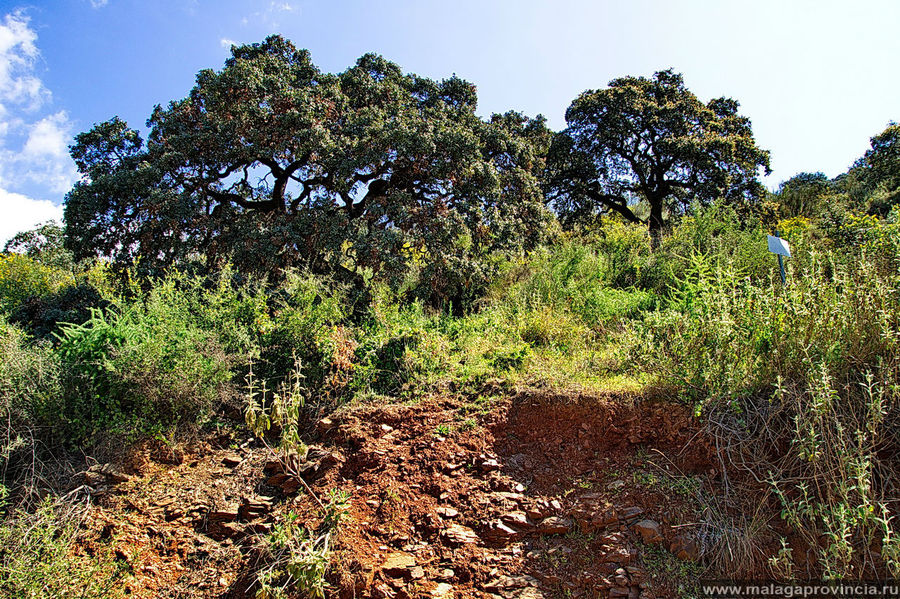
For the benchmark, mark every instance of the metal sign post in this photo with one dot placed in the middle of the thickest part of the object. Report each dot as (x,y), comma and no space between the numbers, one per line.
(781,248)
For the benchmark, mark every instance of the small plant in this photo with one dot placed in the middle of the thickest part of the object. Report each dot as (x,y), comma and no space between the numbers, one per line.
(265,410)
(391,495)
(298,558)
(782,563)
(442,430)
(468,424)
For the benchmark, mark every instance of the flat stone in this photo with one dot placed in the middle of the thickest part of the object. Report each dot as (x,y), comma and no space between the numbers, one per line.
(685,547)
(112,474)
(619,555)
(253,509)
(637,575)
(399,564)
(383,591)
(536,513)
(511,582)
(498,532)
(447,512)
(490,465)
(649,531)
(517,520)
(554,525)
(226,530)
(442,591)
(631,513)
(459,534)
(232,459)
(527,593)
(225,514)
(514,497)
(262,528)
(615,485)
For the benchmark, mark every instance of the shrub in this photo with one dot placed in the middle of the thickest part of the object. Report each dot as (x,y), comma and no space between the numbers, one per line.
(38,557)
(593,280)
(41,315)
(22,278)
(29,383)
(298,558)
(144,365)
(305,310)
(799,383)
(720,232)
(878,240)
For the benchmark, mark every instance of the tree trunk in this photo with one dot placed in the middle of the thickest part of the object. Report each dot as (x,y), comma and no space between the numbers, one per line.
(655,223)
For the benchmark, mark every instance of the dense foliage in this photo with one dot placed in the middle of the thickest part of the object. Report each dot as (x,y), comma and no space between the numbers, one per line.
(271,163)
(288,241)
(651,141)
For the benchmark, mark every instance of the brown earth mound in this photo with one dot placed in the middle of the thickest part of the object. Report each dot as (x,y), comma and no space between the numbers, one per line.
(541,496)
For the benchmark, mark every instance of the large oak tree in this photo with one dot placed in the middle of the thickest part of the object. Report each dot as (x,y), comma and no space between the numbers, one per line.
(653,142)
(271,163)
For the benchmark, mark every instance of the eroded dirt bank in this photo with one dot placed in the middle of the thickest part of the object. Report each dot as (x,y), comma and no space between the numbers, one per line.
(538,496)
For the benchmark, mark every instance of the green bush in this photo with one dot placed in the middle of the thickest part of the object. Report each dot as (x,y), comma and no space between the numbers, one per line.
(720,233)
(594,280)
(147,364)
(38,558)
(305,312)
(41,315)
(29,384)
(800,382)
(22,278)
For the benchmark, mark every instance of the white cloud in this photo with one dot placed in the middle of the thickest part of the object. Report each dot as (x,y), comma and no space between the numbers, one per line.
(227,43)
(99,3)
(268,17)
(49,136)
(34,157)
(18,54)
(21,213)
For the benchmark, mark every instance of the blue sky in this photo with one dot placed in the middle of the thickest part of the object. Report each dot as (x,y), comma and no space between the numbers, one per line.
(817,78)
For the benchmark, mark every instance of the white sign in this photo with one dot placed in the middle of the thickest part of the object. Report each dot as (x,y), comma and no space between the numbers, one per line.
(779,246)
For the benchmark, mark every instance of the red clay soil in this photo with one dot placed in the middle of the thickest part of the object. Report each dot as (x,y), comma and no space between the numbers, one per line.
(544,496)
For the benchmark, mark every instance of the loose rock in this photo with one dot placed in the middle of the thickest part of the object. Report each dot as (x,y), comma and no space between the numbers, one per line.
(459,534)
(649,532)
(399,564)
(554,525)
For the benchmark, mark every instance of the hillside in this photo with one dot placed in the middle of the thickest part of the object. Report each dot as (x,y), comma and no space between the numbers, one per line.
(547,495)
(337,334)
(569,436)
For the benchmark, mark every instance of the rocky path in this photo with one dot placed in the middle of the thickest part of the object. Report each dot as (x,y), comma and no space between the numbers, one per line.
(533,497)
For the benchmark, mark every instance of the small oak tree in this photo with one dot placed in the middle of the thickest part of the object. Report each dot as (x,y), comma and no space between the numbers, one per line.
(651,141)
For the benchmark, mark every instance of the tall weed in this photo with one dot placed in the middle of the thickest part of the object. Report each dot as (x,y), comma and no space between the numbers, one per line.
(799,382)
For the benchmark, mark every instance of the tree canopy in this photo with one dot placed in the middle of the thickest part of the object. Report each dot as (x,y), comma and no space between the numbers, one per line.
(654,142)
(271,163)
(45,243)
(805,194)
(878,171)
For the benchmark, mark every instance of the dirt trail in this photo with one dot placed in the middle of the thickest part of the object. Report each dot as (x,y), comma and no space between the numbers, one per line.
(540,496)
